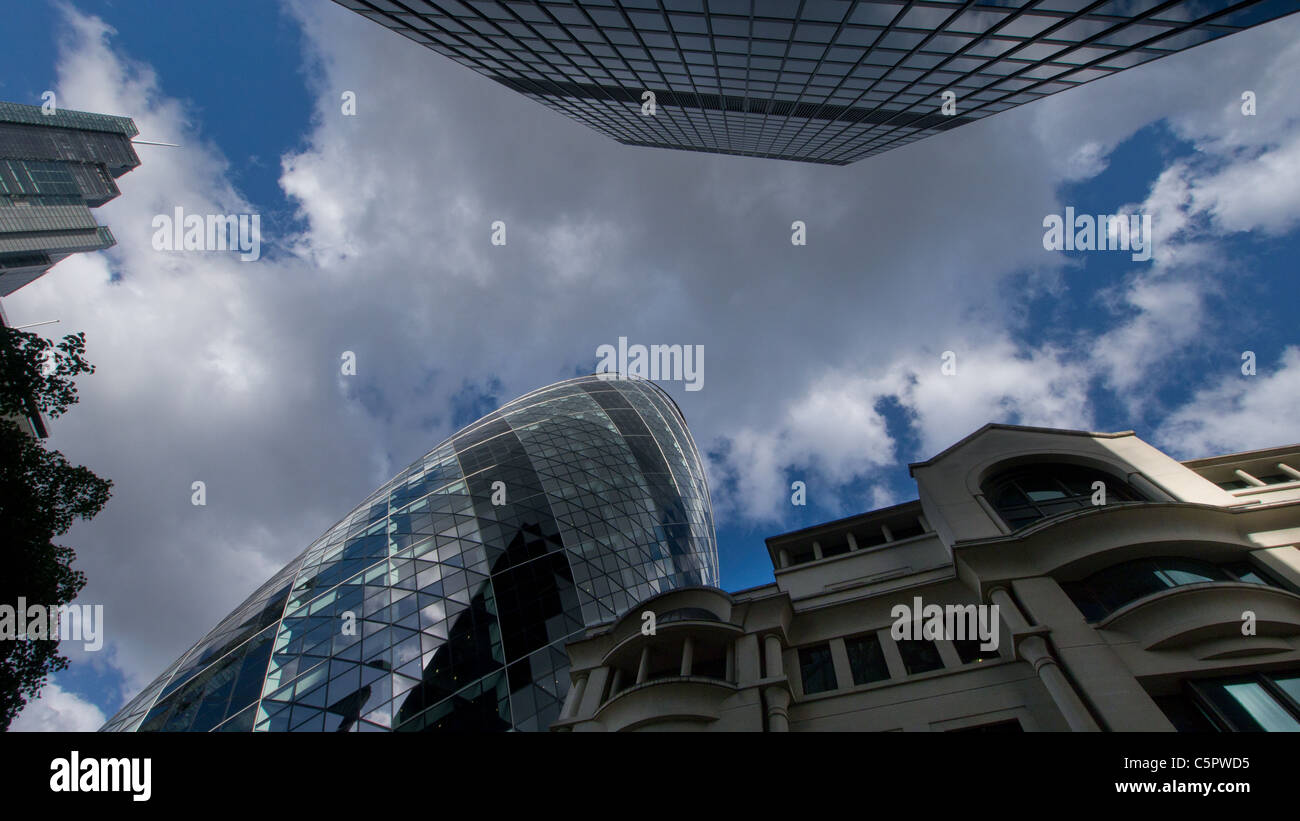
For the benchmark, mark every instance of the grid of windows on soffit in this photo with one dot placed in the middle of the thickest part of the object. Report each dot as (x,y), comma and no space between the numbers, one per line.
(827,81)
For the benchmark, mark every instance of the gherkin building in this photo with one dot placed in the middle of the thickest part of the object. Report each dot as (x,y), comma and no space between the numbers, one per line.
(443,601)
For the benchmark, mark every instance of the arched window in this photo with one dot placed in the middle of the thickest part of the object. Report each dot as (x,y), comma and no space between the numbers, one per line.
(1106,591)
(687,614)
(1028,493)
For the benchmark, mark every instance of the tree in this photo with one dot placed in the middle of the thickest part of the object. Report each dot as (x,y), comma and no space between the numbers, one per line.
(40,496)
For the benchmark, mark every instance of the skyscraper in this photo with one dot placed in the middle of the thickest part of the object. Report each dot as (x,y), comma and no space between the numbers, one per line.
(444,600)
(825,81)
(54,168)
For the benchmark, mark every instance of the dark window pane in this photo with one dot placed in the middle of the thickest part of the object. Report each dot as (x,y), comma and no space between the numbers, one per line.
(1289,684)
(817,669)
(1185,714)
(920,656)
(709,660)
(1082,596)
(686,614)
(1026,494)
(1119,585)
(1183,571)
(1106,591)
(1247,706)
(866,659)
(1247,572)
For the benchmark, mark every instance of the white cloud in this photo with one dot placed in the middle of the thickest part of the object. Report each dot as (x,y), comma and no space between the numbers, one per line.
(1258,192)
(881,496)
(1169,315)
(58,711)
(1241,179)
(1238,412)
(836,433)
(830,452)
(996,382)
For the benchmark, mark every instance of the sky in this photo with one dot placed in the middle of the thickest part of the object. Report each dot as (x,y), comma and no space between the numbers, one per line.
(823,362)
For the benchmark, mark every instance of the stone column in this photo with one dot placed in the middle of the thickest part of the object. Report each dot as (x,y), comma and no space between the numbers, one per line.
(593,693)
(643,667)
(777,695)
(1096,671)
(574,698)
(1248,479)
(688,655)
(840,661)
(1034,650)
(772,650)
(778,709)
(748,669)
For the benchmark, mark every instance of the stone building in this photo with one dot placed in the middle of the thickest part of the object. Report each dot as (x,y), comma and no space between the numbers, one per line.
(1126,591)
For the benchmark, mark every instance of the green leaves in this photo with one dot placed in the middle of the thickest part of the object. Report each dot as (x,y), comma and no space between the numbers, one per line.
(37,373)
(41,494)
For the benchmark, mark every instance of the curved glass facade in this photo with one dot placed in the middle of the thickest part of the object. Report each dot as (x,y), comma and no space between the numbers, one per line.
(445,599)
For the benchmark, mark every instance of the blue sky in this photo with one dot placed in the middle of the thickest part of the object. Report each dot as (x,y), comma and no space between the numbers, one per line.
(823,362)
(247,90)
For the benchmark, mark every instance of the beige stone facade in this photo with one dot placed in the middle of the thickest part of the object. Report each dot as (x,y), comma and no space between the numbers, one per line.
(1132,592)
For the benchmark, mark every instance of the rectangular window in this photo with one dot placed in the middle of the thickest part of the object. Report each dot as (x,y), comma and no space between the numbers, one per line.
(817,669)
(1261,702)
(919,656)
(866,659)
(1248,707)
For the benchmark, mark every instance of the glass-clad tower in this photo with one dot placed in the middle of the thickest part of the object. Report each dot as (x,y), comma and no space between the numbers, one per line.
(55,167)
(445,599)
(825,81)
